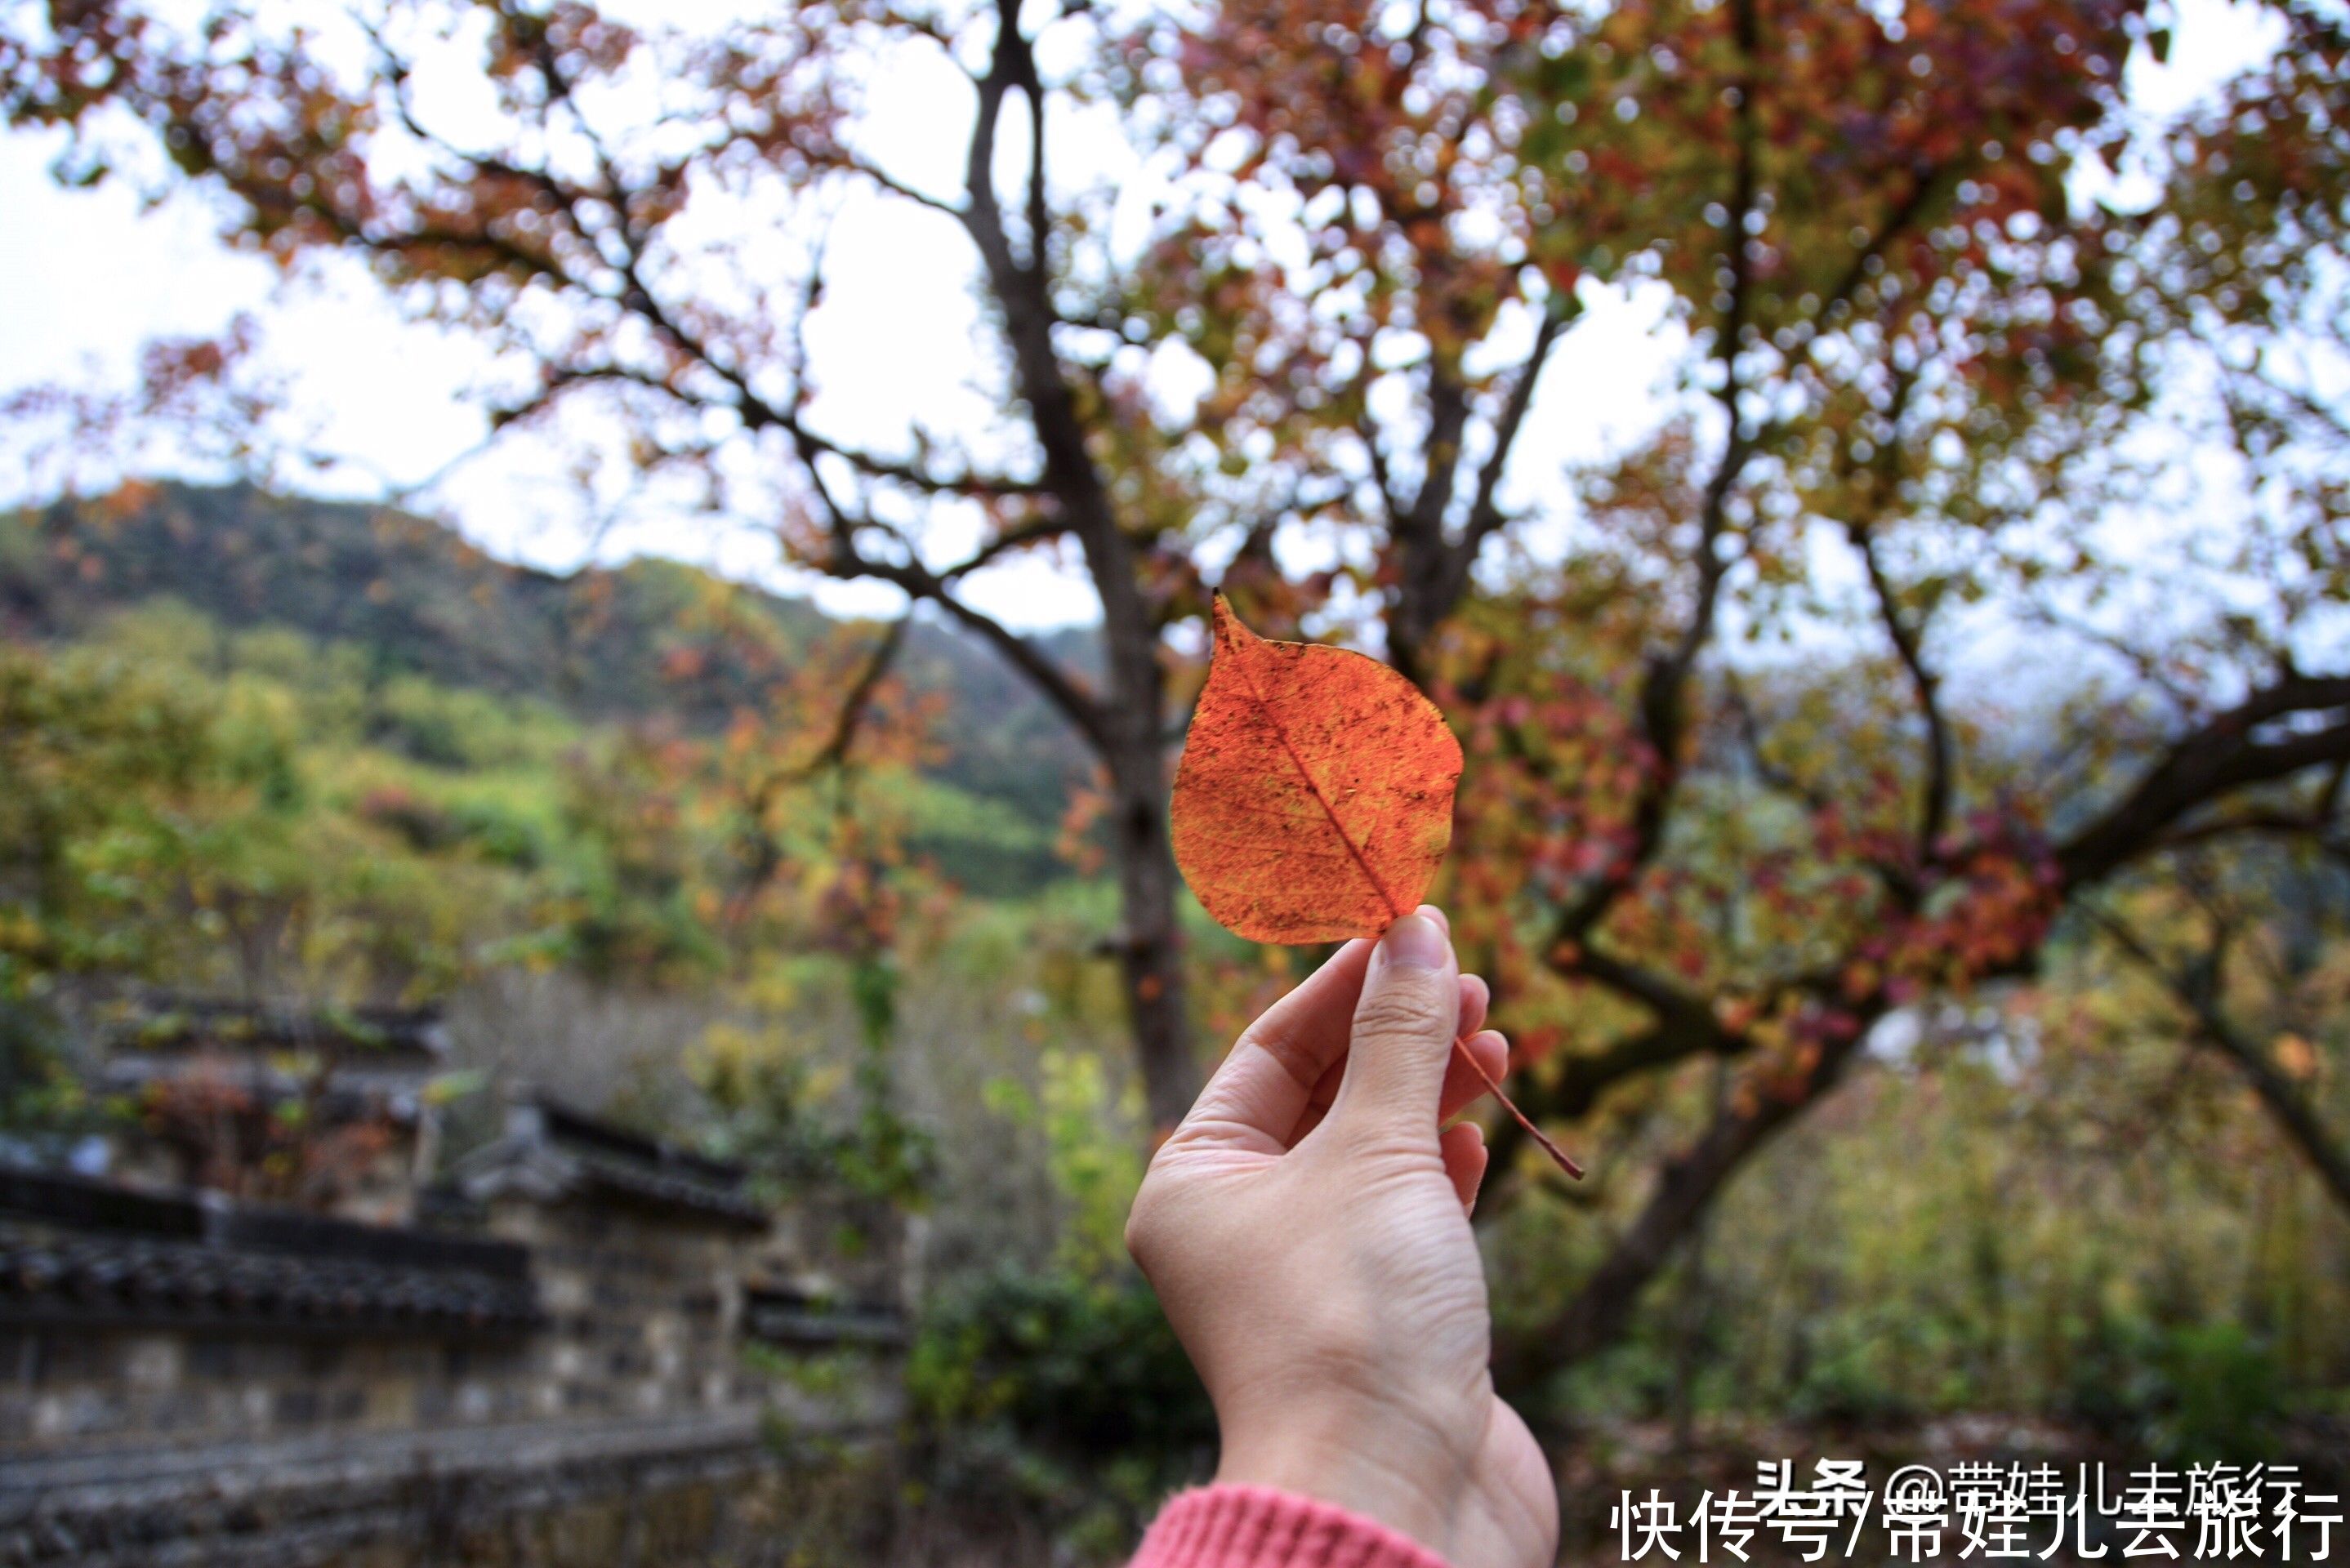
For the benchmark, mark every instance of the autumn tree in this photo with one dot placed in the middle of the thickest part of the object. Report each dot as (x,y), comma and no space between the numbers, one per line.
(1737,786)
(1932,390)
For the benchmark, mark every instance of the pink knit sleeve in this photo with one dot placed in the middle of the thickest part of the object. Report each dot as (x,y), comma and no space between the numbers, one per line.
(1256,1527)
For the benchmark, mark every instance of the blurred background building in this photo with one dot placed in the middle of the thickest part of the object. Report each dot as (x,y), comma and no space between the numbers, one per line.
(556,1341)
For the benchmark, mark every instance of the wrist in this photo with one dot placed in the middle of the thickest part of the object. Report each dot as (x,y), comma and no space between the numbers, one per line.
(1374,1464)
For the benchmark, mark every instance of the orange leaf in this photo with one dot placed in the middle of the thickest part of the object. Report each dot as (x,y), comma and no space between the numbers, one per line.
(1315,799)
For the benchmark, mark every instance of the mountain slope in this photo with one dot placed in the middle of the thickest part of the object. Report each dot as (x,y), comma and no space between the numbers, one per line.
(418,598)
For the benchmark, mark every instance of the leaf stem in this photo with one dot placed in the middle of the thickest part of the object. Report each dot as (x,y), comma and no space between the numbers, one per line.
(1565,1160)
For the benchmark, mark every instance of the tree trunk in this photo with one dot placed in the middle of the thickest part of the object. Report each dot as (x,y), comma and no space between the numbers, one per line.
(1151,949)
(1126,725)
(1134,748)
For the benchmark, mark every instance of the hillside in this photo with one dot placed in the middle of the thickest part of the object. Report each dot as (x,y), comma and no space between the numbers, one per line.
(410,596)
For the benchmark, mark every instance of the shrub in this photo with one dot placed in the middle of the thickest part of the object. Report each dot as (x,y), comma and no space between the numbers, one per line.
(1066,1393)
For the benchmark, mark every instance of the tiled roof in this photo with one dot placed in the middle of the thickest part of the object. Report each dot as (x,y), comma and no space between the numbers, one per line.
(169,1022)
(657,1184)
(780,1316)
(87,1277)
(374,1059)
(549,1151)
(81,1250)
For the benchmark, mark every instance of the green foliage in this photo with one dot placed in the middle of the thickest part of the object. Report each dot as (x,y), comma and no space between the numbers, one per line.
(982,843)
(125,784)
(1061,1385)
(1094,1169)
(881,1155)
(41,1099)
(2004,1216)
(1844,1389)
(2191,1393)
(622,901)
(2221,1394)
(456,728)
(766,1104)
(394,835)
(1066,1392)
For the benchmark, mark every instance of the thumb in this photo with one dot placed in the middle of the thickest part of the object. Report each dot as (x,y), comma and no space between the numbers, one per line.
(1404,1025)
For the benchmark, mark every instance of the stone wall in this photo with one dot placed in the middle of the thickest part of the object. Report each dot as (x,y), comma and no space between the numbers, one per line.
(129,1316)
(641,1313)
(99,1385)
(545,1495)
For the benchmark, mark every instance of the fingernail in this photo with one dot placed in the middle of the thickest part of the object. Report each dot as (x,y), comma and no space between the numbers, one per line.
(1414,942)
(1443,922)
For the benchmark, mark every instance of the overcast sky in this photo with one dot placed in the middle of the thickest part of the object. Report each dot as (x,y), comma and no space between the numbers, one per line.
(88,276)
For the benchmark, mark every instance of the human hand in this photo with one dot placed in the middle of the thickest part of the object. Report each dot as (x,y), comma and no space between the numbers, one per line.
(1308,1231)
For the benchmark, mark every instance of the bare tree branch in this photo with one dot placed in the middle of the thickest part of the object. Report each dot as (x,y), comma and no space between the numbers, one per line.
(868,170)
(1934,812)
(2196,993)
(764,854)
(1750,733)
(1685,1187)
(969,483)
(2215,758)
(1485,513)
(1079,706)
(1035,531)
(858,703)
